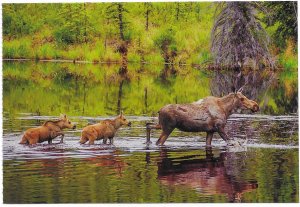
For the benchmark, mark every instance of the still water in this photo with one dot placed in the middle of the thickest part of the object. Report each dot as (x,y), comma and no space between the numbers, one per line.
(264,169)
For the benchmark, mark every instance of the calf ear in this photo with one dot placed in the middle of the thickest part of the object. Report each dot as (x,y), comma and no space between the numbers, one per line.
(63,116)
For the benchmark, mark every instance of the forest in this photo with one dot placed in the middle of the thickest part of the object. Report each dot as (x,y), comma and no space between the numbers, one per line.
(207,34)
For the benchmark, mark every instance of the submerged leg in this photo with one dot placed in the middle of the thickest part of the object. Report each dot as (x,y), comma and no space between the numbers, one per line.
(23,140)
(163,137)
(111,140)
(150,126)
(209,137)
(223,134)
(33,141)
(83,140)
(104,140)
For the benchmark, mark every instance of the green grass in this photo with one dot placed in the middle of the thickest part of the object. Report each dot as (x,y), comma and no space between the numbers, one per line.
(19,48)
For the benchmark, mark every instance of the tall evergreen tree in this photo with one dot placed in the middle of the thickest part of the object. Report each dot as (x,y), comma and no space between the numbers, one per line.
(238,37)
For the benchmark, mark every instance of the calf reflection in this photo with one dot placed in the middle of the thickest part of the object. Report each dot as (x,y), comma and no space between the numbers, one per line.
(208,175)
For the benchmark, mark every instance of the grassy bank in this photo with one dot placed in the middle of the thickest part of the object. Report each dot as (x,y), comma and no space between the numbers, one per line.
(190,28)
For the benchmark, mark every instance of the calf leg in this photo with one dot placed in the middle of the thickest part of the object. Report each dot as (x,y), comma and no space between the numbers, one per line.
(56,134)
(209,137)
(91,141)
(33,141)
(49,141)
(105,140)
(83,140)
(62,137)
(23,140)
(111,140)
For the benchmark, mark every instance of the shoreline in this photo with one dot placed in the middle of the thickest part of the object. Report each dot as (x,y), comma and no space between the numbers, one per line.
(95,62)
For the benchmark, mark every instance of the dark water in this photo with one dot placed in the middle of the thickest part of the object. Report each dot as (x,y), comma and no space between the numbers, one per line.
(264,169)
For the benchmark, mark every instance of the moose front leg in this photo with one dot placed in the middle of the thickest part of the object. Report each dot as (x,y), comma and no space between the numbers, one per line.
(220,126)
(62,136)
(224,135)
(209,137)
(55,134)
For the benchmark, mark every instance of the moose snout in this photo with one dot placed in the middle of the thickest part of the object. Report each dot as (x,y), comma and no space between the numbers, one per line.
(255,108)
(129,123)
(74,127)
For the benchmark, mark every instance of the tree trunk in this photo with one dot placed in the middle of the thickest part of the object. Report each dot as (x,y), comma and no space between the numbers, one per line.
(121,24)
(85,23)
(177,10)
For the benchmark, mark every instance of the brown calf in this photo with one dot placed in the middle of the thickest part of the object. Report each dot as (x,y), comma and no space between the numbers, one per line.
(106,129)
(48,131)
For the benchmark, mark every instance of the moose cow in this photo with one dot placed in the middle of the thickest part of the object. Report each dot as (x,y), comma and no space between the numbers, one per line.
(206,115)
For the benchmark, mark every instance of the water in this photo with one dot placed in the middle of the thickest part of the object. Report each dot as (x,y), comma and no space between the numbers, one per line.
(264,169)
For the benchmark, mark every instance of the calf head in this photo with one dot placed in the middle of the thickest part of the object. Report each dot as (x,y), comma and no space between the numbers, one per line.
(66,123)
(122,120)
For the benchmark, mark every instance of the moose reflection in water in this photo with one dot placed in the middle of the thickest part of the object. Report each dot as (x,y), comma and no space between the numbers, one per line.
(208,115)
(208,175)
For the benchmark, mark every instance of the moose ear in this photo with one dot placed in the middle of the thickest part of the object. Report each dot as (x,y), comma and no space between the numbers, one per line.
(241,89)
(63,116)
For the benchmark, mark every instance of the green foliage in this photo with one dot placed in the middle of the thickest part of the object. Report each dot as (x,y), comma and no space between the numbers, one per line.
(283,14)
(166,42)
(92,31)
(65,28)
(17,49)
(74,24)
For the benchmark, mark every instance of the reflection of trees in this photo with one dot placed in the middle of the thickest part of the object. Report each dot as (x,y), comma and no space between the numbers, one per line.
(168,70)
(119,103)
(208,175)
(257,85)
(254,82)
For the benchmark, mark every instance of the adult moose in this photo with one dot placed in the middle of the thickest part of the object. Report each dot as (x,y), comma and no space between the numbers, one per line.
(206,115)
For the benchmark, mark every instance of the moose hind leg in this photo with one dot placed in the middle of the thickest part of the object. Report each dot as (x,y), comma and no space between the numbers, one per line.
(150,126)
(163,137)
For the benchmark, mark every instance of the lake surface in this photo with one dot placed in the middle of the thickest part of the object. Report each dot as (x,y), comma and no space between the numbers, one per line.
(264,169)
